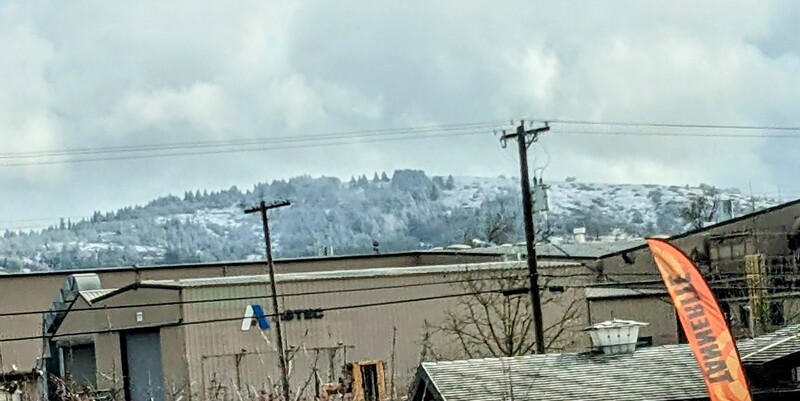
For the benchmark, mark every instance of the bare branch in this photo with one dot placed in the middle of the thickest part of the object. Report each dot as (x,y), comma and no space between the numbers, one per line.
(490,324)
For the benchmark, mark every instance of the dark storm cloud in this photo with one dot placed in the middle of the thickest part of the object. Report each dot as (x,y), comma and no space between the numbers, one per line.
(89,74)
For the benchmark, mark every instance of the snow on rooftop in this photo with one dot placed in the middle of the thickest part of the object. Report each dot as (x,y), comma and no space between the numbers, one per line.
(361,273)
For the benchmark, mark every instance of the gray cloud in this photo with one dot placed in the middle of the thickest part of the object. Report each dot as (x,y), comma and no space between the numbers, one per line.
(88,74)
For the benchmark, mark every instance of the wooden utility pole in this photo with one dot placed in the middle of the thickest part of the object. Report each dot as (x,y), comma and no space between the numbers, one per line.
(530,236)
(263,207)
(391,382)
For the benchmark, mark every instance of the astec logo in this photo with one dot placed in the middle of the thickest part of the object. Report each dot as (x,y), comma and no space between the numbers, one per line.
(253,315)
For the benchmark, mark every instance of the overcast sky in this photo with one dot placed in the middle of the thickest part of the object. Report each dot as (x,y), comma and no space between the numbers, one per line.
(92,74)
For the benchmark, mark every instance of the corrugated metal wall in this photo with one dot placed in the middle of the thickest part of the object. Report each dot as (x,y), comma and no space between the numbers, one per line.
(224,360)
(214,349)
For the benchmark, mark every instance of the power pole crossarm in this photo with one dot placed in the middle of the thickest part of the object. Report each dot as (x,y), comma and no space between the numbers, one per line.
(263,207)
(521,135)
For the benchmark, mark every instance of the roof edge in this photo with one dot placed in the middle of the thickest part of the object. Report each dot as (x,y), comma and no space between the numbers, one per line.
(279,261)
(711,227)
(133,287)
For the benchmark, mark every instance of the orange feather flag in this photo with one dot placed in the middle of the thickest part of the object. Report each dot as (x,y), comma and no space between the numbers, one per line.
(704,323)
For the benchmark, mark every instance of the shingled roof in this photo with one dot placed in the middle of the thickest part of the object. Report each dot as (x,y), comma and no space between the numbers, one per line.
(656,373)
(770,347)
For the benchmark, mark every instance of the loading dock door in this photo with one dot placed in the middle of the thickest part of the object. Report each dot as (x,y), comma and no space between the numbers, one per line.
(78,364)
(144,376)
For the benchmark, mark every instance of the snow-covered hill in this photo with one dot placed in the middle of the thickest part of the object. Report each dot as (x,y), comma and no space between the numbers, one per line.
(408,211)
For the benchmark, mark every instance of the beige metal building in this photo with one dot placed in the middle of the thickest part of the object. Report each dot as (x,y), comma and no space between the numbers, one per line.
(190,338)
(33,292)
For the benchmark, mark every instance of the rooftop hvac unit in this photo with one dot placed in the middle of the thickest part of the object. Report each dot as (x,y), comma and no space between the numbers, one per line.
(615,336)
(84,282)
(69,291)
(79,282)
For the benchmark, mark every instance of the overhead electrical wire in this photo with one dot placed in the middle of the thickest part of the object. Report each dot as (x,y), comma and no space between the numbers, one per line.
(674,134)
(625,285)
(666,125)
(264,296)
(433,129)
(20,159)
(249,141)
(239,318)
(332,291)
(395,286)
(333,308)
(312,144)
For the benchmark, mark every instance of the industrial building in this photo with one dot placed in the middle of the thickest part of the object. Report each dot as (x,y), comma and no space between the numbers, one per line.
(24,296)
(354,331)
(752,263)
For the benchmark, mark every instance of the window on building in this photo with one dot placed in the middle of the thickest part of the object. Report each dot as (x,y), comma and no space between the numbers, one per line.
(776,317)
(644,342)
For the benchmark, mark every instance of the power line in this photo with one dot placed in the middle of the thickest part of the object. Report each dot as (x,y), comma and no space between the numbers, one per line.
(228,319)
(668,125)
(247,146)
(247,141)
(333,291)
(254,149)
(245,298)
(368,133)
(675,134)
(625,285)
(338,139)
(335,308)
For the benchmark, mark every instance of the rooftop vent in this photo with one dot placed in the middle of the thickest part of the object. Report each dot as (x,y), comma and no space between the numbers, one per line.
(580,234)
(69,291)
(615,336)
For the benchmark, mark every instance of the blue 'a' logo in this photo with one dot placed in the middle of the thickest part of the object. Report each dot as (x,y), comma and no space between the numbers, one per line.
(254,314)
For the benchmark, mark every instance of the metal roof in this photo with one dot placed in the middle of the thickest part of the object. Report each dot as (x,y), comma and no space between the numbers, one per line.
(615,292)
(91,295)
(715,226)
(577,250)
(349,274)
(283,262)
(667,372)
(593,249)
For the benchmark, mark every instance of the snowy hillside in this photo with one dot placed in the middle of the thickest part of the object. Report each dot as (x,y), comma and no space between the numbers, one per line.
(408,211)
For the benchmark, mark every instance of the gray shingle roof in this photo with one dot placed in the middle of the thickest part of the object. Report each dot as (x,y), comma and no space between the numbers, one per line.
(770,347)
(658,373)
(670,371)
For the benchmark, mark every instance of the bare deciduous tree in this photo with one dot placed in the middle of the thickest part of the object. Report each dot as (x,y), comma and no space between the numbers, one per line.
(488,323)
(701,208)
